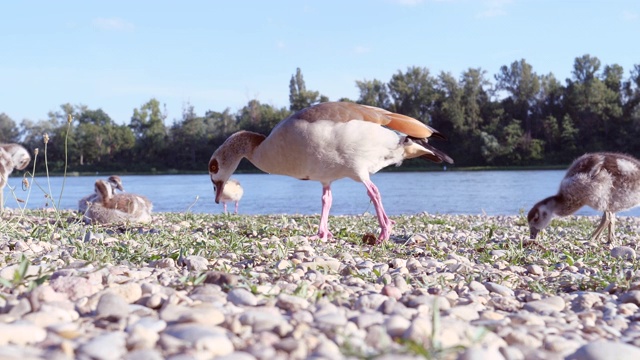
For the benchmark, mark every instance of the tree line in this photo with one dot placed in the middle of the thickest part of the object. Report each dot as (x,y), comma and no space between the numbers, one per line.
(518,118)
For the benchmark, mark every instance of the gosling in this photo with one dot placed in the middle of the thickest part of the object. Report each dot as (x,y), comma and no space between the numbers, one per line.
(12,156)
(232,192)
(116,184)
(607,182)
(118,208)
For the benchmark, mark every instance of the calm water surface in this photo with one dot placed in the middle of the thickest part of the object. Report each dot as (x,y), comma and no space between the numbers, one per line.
(446,192)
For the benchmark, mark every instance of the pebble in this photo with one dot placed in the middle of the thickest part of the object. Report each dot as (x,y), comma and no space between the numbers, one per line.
(242,297)
(632,297)
(105,347)
(604,350)
(546,305)
(623,252)
(196,263)
(112,307)
(21,333)
(499,289)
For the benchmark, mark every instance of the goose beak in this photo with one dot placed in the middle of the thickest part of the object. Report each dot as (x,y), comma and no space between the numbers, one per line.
(218,187)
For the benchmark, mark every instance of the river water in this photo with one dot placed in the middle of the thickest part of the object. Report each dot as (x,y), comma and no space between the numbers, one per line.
(445,192)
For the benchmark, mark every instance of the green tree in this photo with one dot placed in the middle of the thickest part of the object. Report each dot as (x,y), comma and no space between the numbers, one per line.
(592,104)
(413,93)
(299,96)
(99,140)
(522,86)
(259,117)
(9,132)
(373,93)
(150,132)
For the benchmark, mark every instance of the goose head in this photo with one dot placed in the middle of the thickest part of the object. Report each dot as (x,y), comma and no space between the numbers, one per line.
(226,158)
(115,182)
(540,216)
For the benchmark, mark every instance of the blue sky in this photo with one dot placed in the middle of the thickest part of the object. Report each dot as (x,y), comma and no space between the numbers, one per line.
(116,55)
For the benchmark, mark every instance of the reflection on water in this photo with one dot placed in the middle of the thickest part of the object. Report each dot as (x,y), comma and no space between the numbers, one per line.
(447,192)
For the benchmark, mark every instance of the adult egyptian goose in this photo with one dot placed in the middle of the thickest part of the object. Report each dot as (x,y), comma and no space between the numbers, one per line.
(607,182)
(326,142)
(12,156)
(117,208)
(232,193)
(114,181)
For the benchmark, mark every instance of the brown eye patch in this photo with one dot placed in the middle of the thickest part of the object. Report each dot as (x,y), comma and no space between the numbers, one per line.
(213,166)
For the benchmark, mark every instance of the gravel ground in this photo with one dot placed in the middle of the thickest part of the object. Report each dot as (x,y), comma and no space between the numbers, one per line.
(191,286)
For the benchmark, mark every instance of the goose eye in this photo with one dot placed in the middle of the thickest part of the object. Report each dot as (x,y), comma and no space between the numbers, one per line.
(213,166)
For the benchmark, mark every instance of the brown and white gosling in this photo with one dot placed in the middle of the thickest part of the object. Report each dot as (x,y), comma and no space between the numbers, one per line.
(608,182)
(232,192)
(116,184)
(118,208)
(12,156)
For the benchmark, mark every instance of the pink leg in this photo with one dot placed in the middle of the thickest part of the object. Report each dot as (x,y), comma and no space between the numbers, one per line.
(385,223)
(323,229)
(237,206)
(224,204)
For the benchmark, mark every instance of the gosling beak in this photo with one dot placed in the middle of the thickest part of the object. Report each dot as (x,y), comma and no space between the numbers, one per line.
(534,232)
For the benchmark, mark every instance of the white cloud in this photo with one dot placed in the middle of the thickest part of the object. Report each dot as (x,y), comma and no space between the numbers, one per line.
(407,2)
(112,24)
(494,8)
(629,16)
(280,44)
(361,49)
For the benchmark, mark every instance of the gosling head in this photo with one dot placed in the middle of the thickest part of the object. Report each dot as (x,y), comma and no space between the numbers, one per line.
(539,217)
(19,155)
(116,182)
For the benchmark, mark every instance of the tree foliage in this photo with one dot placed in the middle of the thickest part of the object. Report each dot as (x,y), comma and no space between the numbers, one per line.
(523,118)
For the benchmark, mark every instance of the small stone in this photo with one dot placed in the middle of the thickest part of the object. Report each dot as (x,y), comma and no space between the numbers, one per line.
(464,312)
(112,307)
(291,302)
(499,289)
(546,305)
(165,263)
(480,353)
(105,347)
(196,263)
(604,350)
(391,291)
(261,320)
(130,292)
(632,296)
(221,278)
(623,252)
(203,313)
(75,287)
(208,338)
(535,269)
(368,319)
(242,297)
(21,334)
(419,330)
(396,325)
(143,354)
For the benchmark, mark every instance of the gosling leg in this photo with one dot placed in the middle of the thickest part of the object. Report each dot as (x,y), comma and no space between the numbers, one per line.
(603,223)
